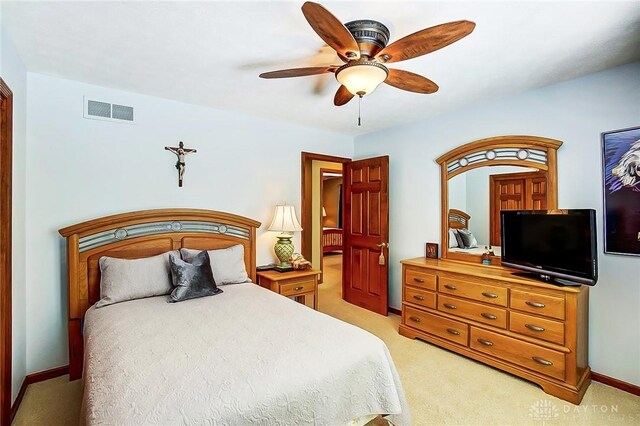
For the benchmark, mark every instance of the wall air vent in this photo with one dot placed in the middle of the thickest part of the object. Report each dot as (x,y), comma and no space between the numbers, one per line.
(100,110)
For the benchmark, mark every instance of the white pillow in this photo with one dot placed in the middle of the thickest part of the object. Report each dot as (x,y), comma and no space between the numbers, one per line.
(453,241)
(128,279)
(227,264)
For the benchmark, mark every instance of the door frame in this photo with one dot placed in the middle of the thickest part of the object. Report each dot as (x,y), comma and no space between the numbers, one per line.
(306,213)
(6,152)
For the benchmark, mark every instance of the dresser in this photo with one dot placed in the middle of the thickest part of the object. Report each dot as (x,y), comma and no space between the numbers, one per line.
(300,285)
(526,327)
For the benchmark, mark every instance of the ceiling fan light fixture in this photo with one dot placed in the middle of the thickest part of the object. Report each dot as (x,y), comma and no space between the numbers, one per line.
(361,77)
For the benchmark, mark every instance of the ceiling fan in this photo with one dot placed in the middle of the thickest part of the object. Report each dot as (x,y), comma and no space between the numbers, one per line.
(362,45)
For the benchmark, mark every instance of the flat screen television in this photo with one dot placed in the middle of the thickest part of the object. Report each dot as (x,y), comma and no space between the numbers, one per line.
(558,246)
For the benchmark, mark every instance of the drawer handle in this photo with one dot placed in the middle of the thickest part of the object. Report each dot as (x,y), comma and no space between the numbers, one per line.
(452,331)
(450,306)
(489,295)
(298,288)
(541,361)
(489,316)
(450,287)
(414,319)
(535,304)
(418,297)
(485,342)
(534,327)
(418,280)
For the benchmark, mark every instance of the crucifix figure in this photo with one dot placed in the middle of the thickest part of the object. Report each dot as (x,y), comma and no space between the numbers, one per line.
(180,151)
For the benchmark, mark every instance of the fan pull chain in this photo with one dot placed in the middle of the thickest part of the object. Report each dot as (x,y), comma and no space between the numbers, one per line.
(359,104)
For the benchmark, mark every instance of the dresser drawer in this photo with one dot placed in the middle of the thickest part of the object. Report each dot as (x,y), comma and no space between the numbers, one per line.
(469,290)
(491,315)
(540,328)
(539,304)
(528,355)
(420,278)
(299,286)
(444,328)
(420,297)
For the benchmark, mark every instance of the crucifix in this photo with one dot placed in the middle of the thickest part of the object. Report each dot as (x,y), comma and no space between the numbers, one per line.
(180,151)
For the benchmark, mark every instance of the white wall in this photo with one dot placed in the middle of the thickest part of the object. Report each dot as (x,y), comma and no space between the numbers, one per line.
(79,169)
(14,73)
(575,112)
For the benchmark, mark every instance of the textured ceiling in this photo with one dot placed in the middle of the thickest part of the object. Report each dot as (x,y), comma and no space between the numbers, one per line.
(210,53)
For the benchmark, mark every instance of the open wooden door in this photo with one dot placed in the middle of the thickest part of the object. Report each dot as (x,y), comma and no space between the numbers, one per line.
(366,234)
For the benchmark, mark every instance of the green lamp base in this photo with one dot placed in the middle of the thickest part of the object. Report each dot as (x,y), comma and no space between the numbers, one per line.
(284,250)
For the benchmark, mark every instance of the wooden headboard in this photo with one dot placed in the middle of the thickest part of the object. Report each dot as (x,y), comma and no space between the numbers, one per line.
(458,219)
(141,234)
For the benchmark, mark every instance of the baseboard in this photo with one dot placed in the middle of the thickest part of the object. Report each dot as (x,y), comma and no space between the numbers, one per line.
(615,383)
(395,311)
(16,403)
(35,378)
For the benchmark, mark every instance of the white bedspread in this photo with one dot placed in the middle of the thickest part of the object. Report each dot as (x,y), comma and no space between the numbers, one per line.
(476,250)
(246,356)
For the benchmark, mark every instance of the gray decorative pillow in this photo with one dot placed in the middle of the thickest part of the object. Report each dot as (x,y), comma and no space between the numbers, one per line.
(192,279)
(467,238)
(128,279)
(227,264)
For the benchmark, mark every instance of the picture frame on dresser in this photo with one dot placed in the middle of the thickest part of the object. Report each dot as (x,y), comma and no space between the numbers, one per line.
(621,191)
(431,251)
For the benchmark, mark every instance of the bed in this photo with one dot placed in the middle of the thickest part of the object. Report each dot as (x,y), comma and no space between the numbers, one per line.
(245,356)
(331,239)
(459,219)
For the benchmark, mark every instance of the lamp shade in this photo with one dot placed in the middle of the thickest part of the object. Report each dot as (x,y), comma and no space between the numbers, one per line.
(285,220)
(324,212)
(361,78)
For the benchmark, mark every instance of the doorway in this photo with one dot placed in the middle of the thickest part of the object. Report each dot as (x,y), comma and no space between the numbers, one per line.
(364,216)
(321,209)
(6,148)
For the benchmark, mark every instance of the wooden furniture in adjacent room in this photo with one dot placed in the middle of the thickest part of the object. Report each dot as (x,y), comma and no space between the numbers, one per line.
(523,326)
(331,240)
(302,286)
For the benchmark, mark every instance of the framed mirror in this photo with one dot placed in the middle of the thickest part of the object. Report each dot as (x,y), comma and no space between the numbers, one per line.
(483,177)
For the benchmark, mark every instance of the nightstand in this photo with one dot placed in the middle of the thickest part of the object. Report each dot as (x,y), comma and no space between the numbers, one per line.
(302,286)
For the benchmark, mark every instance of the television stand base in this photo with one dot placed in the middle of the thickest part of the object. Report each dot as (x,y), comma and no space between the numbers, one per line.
(547,279)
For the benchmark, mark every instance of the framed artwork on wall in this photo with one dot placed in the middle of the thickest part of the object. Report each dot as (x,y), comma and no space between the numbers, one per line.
(621,187)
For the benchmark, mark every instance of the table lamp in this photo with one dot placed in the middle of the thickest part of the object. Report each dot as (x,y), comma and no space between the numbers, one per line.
(286,222)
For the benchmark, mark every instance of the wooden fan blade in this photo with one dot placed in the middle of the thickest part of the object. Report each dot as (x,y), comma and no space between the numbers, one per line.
(331,30)
(297,72)
(342,96)
(425,41)
(411,82)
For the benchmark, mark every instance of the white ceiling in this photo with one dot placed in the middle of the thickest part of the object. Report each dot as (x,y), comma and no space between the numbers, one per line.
(210,53)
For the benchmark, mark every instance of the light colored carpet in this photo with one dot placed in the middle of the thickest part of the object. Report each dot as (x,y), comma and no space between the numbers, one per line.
(441,387)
